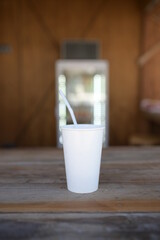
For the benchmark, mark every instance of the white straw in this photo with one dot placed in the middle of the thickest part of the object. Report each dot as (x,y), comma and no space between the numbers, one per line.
(69,107)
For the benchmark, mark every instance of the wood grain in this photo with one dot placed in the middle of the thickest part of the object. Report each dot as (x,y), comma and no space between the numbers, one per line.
(150,43)
(35,30)
(86,226)
(83,206)
(35,180)
(9,77)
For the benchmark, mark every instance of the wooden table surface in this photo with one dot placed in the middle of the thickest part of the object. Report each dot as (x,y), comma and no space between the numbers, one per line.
(35,204)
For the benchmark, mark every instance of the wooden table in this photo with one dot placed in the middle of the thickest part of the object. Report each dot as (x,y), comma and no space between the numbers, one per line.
(35,204)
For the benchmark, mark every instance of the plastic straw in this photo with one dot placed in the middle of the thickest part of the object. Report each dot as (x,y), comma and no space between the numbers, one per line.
(69,107)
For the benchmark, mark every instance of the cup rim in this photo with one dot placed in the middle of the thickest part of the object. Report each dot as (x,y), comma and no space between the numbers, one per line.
(82,127)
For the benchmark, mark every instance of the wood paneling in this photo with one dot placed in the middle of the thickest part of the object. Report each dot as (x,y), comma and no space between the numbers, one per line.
(149,69)
(9,82)
(35,30)
(150,87)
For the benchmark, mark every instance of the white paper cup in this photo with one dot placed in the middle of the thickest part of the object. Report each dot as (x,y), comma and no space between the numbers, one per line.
(82,147)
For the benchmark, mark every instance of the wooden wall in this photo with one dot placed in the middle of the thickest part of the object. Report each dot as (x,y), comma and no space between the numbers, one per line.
(35,31)
(149,63)
(151,45)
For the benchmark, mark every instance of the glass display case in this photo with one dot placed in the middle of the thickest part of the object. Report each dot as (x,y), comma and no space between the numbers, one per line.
(85,84)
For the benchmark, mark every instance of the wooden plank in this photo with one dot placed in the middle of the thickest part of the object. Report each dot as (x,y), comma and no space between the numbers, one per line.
(124,153)
(80,226)
(129,182)
(80,206)
(54,172)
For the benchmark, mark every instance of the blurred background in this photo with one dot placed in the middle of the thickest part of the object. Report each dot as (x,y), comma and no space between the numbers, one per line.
(32,36)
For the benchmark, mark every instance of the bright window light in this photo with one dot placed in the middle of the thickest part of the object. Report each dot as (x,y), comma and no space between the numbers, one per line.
(62,106)
(97,87)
